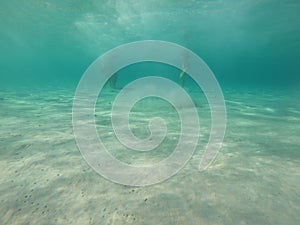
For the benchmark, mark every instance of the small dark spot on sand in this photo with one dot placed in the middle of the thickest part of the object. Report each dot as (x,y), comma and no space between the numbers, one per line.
(145,199)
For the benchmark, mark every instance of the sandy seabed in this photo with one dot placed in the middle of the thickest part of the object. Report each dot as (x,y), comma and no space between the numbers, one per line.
(254,180)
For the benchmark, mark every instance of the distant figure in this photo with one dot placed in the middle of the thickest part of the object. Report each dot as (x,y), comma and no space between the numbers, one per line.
(184,69)
(182,76)
(113,81)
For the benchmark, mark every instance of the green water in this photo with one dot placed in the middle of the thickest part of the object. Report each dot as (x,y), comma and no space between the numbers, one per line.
(253,48)
(245,41)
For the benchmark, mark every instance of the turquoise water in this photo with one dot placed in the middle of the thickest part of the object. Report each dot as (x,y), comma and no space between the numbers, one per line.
(253,48)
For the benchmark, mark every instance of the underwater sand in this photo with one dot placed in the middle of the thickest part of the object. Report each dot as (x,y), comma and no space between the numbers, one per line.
(254,180)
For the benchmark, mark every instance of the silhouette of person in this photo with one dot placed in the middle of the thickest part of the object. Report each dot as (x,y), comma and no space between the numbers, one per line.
(185,67)
(182,76)
(113,81)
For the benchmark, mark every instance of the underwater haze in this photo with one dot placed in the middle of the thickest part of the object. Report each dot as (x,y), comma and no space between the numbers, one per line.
(248,41)
(251,46)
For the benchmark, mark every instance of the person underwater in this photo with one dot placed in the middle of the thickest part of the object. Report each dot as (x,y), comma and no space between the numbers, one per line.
(182,76)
